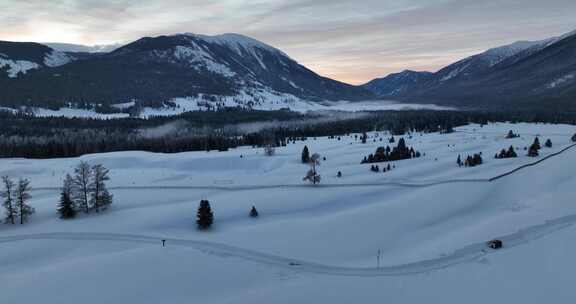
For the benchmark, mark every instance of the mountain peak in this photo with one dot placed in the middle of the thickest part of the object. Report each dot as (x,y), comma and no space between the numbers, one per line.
(227,69)
(235,41)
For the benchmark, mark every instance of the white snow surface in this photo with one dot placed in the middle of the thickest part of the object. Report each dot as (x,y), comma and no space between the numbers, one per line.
(562,81)
(237,42)
(15,67)
(68,47)
(499,54)
(75,113)
(311,244)
(196,56)
(242,45)
(464,65)
(257,99)
(56,58)
(269,100)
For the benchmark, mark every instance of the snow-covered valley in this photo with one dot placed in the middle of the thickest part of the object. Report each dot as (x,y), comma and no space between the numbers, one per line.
(427,220)
(265,101)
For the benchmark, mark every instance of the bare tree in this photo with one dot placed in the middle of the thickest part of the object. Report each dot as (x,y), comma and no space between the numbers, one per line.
(22,197)
(269,150)
(81,185)
(100,197)
(8,195)
(312,174)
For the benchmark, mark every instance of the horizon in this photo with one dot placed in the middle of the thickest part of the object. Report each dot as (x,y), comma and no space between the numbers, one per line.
(337,39)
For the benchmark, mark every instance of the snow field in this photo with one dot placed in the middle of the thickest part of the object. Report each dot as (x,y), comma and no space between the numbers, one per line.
(340,224)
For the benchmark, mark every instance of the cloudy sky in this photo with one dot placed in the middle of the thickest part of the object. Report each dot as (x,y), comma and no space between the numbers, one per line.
(349,40)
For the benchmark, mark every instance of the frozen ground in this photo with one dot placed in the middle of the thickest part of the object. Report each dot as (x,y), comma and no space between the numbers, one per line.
(428,217)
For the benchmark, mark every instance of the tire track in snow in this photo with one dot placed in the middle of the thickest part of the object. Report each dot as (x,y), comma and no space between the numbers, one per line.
(466,254)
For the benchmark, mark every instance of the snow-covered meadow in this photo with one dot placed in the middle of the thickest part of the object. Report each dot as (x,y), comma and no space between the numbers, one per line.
(269,101)
(428,218)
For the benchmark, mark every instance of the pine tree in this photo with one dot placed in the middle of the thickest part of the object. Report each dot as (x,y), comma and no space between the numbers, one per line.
(66,207)
(548,143)
(9,205)
(477,159)
(536,144)
(574,138)
(100,198)
(204,217)
(533,151)
(81,186)
(511,134)
(511,153)
(253,212)
(305,155)
(22,197)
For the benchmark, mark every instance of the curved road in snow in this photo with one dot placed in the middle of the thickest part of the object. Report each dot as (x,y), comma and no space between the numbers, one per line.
(469,253)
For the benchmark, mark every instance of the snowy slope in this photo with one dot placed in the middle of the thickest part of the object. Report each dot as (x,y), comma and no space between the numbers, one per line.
(428,217)
(15,67)
(154,70)
(18,58)
(521,75)
(75,48)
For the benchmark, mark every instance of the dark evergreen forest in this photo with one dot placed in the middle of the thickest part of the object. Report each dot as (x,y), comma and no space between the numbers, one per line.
(27,136)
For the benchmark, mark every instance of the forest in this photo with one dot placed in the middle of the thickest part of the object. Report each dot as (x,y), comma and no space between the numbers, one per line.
(27,136)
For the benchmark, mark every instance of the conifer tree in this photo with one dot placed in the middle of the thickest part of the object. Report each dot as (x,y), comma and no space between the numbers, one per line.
(548,143)
(533,150)
(536,144)
(8,196)
(204,216)
(511,134)
(66,208)
(511,152)
(22,197)
(574,138)
(305,155)
(253,212)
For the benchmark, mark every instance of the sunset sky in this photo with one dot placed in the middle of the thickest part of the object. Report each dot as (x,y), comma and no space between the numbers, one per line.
(352,41)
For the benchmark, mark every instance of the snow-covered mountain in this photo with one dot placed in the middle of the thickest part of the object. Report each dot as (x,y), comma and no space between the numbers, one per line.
(79,48)
(398,83)
(18,58)
(524,72)
(152,71)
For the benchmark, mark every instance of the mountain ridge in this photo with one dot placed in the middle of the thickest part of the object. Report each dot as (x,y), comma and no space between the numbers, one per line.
(499,78)
(151,71)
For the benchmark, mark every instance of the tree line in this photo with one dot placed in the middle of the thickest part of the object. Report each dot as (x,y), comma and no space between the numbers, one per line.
(34,137)
(83,191)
